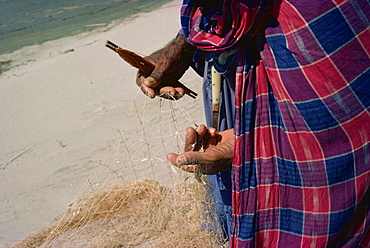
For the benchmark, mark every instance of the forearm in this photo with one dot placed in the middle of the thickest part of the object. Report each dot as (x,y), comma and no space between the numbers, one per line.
(178,54)
(181,42)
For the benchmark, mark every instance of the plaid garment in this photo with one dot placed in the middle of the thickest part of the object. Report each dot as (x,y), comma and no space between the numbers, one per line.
(301,169)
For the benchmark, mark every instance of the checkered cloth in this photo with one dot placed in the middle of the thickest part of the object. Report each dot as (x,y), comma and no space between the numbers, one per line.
(301,169)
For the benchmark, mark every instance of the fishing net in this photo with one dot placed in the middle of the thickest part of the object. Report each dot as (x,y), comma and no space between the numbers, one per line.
(134,197)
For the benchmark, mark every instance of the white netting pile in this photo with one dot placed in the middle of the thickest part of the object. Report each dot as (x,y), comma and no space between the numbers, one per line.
(134,197)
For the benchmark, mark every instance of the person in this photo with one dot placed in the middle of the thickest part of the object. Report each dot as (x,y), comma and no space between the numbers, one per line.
(290,158)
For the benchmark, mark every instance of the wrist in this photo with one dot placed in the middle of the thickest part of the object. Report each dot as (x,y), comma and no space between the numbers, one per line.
(181,42)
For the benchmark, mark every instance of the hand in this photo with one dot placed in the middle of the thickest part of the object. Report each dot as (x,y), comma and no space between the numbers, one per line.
(172,60)
(218,150)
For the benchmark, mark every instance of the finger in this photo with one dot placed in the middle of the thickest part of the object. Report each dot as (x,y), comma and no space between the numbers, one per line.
(148,91)
(157,73)
(145,89)
(189,160)
(151,82)
(167,92)
(206,136)
(180,92)
(190,139)
(206,132)
(173,158)
(176,93)
(211,132)
(201,131)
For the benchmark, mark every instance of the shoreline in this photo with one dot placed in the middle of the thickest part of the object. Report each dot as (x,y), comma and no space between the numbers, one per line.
(61,103)
(50,48)
(53,22)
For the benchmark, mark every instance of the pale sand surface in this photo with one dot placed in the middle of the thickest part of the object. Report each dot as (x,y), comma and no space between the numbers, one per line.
(59,111)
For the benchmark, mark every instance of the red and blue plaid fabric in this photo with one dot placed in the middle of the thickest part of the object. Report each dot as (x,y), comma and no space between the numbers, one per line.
(301,169)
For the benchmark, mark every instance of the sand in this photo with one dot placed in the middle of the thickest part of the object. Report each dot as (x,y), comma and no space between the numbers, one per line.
(60,107)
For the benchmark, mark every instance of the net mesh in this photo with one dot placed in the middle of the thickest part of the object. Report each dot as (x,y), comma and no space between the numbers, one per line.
(134,197)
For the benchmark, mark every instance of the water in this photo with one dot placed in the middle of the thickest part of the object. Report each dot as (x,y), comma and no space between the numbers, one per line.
(31,22)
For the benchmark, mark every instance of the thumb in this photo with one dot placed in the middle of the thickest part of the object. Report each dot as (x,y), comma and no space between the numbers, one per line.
(151,82)
(155,77)
(185,161)
(187,158)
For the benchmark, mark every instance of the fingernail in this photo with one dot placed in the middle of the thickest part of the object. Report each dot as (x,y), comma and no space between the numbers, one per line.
(179,162)
(149,80)
(179,94)
(149,95)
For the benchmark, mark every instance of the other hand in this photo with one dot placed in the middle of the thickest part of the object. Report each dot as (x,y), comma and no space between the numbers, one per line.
(172,60)
(218,150)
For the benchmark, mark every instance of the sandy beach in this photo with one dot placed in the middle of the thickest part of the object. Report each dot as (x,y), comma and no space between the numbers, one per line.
(61,105)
